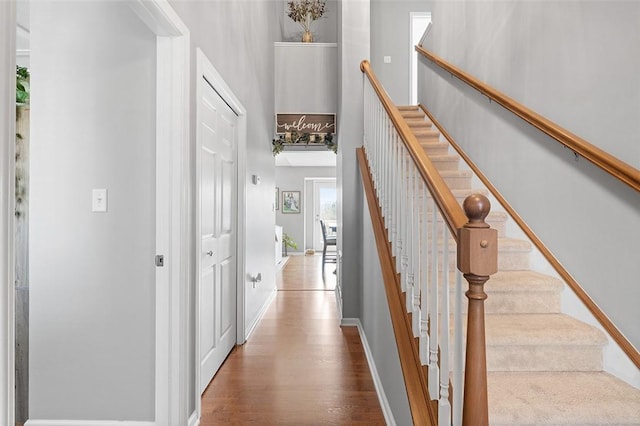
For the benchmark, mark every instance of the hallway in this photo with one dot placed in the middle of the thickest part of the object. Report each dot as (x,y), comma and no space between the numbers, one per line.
(299,367)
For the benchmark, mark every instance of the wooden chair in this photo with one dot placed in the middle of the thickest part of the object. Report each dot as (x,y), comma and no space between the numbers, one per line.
(328,241)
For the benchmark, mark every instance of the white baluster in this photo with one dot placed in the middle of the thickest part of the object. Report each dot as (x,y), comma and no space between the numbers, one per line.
(444,407)
(433,307)
(458,354)
(424,296)
(418,222)
(393,161)
(408,183)
(401,209)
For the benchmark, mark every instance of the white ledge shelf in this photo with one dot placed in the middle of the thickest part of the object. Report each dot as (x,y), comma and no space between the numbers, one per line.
(297,43)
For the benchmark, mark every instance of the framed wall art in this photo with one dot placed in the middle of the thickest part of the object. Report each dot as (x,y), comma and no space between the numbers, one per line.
(290,201)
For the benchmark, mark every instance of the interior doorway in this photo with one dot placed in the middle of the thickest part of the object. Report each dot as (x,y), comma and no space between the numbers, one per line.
(418,24)
(140,163)
(324,202)
(320,203)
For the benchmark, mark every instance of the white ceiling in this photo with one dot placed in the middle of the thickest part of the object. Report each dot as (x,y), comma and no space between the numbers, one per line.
(306,159)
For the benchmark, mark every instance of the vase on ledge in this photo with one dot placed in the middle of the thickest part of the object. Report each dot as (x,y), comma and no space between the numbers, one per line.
(307,37)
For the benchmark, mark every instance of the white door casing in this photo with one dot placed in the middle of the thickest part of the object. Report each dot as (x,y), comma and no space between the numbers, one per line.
(320,186)
(216,141)
(173,209)
(418,24)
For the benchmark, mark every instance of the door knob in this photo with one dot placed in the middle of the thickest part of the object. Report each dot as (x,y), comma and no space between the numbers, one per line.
(209,253)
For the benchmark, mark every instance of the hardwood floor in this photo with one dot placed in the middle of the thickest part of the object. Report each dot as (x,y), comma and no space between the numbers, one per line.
(299,367)
(304,273)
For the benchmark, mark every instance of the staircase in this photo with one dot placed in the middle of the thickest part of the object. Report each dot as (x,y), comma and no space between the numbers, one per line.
(544,367)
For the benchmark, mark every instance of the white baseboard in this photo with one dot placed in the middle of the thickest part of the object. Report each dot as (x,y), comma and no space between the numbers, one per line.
(281,264)
(350,322)
(44,422)
(382,397)
(258,317)
(194,420)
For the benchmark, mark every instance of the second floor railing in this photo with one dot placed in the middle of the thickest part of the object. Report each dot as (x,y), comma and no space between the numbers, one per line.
(434,242)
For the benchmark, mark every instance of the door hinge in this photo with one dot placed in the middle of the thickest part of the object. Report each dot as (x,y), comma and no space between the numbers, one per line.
(159,260)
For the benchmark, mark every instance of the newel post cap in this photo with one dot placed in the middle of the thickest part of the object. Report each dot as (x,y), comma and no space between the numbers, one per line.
(477,242)
(476,207)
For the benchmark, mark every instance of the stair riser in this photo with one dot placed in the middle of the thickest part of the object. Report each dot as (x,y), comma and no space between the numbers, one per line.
(517,303)
(435,149)
(418,124)
(507,261)
(455,182)
(449,165)
(498,224)
(544,358)
(426,135)
(446,164)
(513,261)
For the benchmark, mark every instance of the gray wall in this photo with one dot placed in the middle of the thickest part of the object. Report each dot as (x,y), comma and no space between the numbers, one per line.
(92,327)
(237,37)
(306,78)
(576,63)
(292,179)
(390,37)
(354,47)
(376,323)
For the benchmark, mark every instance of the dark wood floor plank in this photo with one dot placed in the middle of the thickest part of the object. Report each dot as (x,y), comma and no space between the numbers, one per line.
(299,367)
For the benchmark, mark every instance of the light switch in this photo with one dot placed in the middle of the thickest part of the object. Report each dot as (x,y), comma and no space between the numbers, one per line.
(387,59)
(99,200)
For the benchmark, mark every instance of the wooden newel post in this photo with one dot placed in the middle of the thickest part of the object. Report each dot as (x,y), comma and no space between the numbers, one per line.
(477,260)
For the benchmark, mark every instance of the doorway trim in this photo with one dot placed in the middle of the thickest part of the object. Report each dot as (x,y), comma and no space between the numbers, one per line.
(7,197)
(173,208)
(204,68)
(414,20)
(309,206)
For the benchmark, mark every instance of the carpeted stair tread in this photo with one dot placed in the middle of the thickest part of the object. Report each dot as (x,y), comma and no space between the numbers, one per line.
(425,132)
(418,123)
(522,281)
(561,398)
(545,367)
(409,114)
(540,329)
(403,108)
(448,162)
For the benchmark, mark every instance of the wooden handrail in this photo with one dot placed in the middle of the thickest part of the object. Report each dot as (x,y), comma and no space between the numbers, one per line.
(607,162)
(442,195)
(422,411)
(602,318)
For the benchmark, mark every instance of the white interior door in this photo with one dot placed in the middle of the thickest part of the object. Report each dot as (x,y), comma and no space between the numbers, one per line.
(324,208)
(217,143)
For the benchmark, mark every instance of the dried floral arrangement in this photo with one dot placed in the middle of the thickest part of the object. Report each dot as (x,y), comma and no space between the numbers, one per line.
(304,12)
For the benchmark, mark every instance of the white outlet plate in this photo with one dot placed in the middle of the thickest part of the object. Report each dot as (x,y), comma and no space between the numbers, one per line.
(387,59)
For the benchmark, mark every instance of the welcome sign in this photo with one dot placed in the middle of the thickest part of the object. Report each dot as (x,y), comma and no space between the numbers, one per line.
(306,123)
